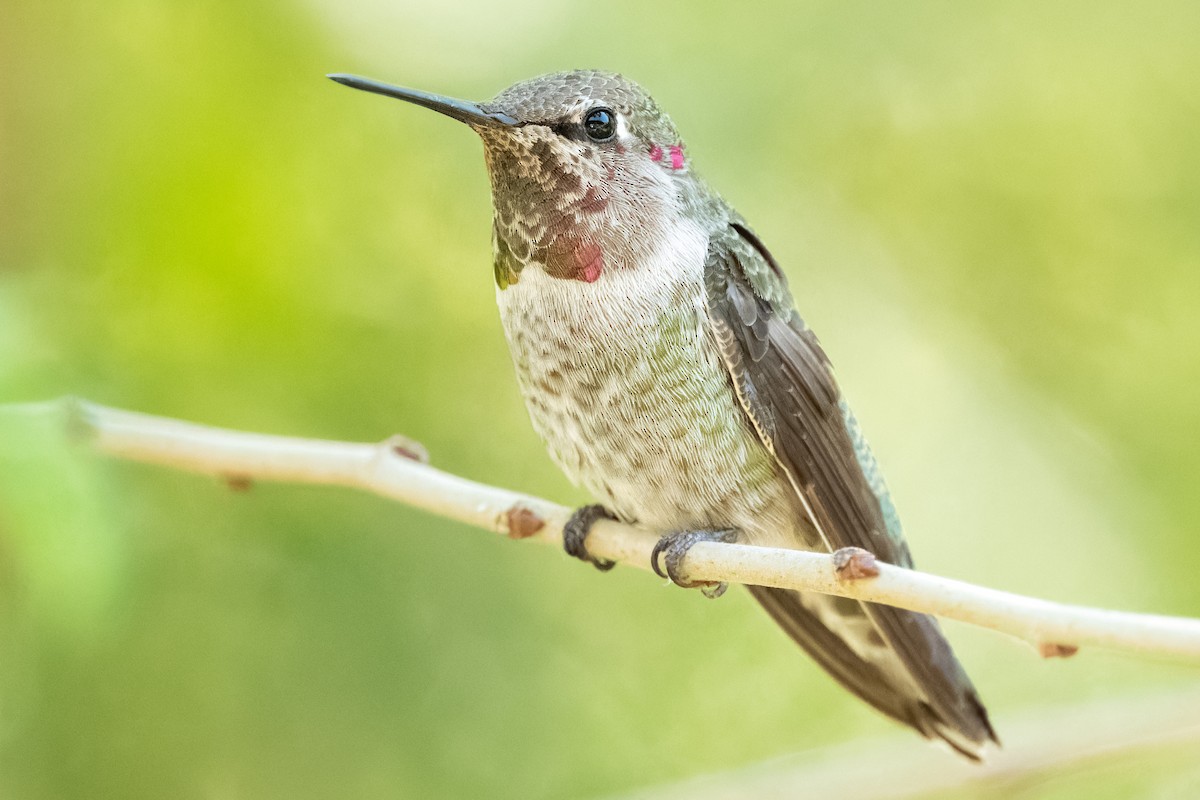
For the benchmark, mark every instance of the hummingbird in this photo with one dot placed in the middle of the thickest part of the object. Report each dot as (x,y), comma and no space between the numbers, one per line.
(664,364)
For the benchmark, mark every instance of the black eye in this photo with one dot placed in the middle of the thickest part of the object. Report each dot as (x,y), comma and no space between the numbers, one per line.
(600,124)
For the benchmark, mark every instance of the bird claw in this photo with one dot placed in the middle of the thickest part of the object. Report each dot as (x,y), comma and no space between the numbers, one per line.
(576,530)
(674,546)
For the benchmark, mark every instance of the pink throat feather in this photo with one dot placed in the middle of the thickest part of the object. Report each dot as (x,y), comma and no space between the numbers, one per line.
(675,152)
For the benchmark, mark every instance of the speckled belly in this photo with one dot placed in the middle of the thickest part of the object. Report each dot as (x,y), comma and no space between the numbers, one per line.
(634,404)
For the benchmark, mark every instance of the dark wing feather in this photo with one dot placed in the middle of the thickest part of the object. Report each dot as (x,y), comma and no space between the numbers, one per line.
(787,388)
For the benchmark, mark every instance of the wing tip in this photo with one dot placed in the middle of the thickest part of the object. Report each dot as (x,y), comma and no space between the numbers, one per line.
(971,735)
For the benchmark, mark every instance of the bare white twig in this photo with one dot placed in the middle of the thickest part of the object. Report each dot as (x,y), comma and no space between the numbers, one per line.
(394,469)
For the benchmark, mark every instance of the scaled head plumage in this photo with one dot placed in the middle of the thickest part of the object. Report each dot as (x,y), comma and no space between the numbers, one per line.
(579,163)
(563,97)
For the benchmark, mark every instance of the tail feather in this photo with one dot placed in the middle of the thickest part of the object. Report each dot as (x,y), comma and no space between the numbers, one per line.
(912,693)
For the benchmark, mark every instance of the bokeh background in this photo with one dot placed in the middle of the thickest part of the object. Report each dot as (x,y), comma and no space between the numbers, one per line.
(990,212)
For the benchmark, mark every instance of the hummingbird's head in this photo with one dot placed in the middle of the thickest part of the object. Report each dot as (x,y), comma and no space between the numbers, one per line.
(584,166)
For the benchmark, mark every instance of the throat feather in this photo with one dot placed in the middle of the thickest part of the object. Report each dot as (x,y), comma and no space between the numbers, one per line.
(573,258)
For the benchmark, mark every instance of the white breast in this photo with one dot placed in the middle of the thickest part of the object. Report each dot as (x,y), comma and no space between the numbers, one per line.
(626,388)
(624,298)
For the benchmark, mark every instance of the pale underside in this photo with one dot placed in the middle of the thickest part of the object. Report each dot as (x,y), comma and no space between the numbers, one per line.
(626,387)
(625,384)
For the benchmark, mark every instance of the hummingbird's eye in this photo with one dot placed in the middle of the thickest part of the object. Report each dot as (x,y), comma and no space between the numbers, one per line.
(600,124)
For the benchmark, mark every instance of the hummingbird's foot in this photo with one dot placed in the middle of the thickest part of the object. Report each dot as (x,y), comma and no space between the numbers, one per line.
(674,547)
(578,527)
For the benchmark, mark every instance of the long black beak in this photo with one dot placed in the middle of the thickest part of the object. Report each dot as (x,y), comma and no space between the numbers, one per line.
(460,110)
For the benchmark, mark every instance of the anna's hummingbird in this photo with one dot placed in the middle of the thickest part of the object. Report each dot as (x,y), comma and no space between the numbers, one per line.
(663,362)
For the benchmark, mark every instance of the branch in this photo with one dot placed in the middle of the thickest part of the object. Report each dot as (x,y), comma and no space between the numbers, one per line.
(394,469)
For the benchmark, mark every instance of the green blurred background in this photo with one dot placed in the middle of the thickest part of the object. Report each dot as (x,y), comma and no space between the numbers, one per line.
(990,212)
